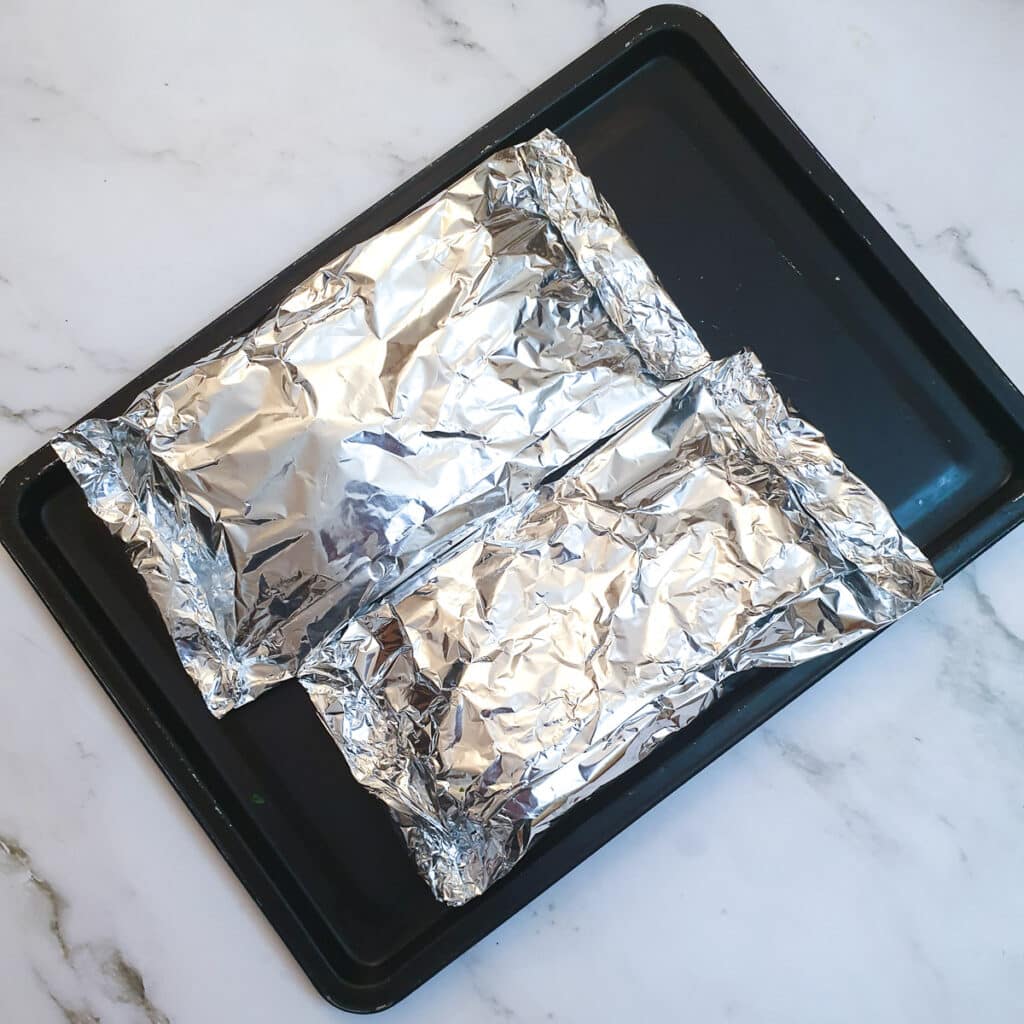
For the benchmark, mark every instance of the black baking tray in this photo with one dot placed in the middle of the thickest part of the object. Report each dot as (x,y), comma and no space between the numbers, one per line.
(761,245)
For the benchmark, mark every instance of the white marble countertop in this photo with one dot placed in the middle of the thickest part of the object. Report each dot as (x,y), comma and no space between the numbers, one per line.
(857,859)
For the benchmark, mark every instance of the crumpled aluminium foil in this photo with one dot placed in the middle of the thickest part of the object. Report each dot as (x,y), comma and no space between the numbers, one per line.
(602,613)
(410,387)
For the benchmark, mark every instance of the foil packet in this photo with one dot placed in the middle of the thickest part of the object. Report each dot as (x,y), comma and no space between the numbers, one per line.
(397,397)
(602,613)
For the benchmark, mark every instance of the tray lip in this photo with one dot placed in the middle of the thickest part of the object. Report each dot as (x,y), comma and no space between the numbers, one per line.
(666,19)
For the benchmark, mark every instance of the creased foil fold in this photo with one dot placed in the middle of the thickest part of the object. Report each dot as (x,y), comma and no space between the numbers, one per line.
(407,389)
(603,612)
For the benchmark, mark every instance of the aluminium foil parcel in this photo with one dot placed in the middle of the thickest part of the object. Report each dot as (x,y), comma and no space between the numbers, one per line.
(600,614)
(395,399)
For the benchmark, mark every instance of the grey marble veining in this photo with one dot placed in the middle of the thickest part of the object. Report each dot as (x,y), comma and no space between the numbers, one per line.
(856,859)
(86,981)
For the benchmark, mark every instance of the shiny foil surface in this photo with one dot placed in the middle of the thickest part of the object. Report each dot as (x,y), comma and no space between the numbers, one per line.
(603,612)
(411,387)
